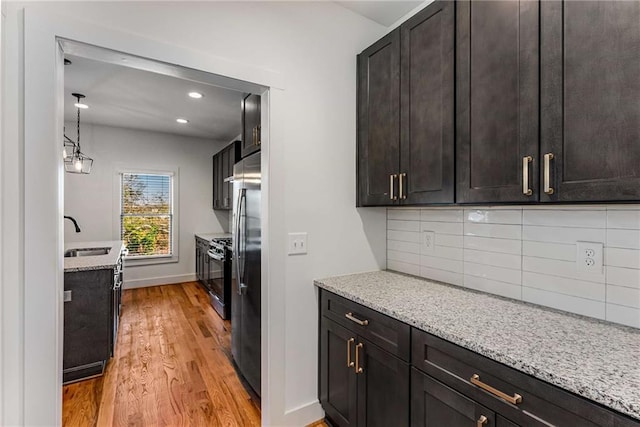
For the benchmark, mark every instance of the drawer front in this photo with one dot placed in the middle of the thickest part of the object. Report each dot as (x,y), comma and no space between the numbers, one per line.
(540,403)
(387,333)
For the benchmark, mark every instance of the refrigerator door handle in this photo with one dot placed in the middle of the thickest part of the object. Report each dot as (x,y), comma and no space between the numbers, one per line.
(238,255)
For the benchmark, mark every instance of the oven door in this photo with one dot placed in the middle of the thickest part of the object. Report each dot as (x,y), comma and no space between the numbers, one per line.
(215,280)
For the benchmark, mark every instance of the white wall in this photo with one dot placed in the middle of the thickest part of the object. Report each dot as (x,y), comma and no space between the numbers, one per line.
(311,153)
(93,199)
(527,253)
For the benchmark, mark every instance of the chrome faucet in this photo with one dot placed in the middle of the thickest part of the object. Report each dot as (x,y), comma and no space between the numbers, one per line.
(73,220)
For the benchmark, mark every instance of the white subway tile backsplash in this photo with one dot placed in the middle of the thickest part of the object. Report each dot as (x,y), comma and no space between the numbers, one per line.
(452,265)
(442,227)
(629,239)
(404,214)
(494,273)
(403,267)
(403,236)
(401,225)
(562,234)
(554,267)
(449,240)
(494,287)
(441,275)
(526,253)
(442,215)
(493,258)
(586,307)
(617,257)
(395,245)
(492,216)
(628,277)
(496,231)
(561,251)
(623,315)
(624,219)
(628,297)
(494,245)
(563,285)
(565,218)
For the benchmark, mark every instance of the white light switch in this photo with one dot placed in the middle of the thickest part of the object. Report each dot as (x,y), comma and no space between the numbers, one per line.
(589,257)
(297,243)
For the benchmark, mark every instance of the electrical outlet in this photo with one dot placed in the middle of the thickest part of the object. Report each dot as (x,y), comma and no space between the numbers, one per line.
(428,241)
(297,243)
(589,257)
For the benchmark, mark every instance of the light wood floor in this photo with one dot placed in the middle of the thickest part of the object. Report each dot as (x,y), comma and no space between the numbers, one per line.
(172,367)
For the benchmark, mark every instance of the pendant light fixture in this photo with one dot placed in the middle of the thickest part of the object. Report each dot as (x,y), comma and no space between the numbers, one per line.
(75,161)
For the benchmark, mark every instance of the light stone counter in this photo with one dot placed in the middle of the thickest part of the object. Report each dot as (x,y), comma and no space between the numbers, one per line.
(591,358)
(97,262)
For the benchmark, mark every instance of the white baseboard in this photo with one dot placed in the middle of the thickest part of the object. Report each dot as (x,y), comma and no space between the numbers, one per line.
(304,415)
(155,281)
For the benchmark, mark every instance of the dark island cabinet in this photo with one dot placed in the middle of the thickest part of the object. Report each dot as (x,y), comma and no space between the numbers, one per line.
(497,101)
(223,163)
(361,384)
(590,100)
(251,126)
(406,112)
(377,371)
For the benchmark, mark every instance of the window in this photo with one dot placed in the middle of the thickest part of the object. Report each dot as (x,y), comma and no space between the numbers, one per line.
(146,214)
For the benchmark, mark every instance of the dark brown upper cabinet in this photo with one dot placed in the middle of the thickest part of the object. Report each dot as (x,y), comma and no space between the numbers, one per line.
(406,112)
(223,163)
(427,106)
(497,101)
(590,101)
(378,121)
(251,128)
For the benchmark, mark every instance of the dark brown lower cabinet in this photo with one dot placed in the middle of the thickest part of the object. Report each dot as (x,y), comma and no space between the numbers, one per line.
(361,384)
(368,377)
(433,404)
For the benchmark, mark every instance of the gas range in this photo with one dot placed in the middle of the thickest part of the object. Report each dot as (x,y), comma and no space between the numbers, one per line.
(220,248)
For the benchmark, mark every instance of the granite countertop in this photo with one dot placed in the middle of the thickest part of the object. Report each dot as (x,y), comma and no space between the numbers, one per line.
(591,358)
(96,262)
(209,236)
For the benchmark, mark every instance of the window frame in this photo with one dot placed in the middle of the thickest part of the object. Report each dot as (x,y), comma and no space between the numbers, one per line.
(140,260)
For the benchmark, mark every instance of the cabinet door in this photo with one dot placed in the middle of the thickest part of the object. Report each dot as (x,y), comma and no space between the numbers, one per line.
(590,92)
(497,100)
(250,125)
(427,113)
(226,155)
(338,391)
(378,122)
(433,404)
(197,259)
(383,387)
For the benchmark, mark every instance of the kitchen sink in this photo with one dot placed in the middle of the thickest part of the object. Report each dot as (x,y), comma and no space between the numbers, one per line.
(86,252)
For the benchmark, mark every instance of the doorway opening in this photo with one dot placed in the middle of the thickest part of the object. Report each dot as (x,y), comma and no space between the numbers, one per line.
(164,180)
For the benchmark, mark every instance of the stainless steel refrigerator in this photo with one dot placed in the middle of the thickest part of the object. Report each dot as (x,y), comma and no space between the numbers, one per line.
(245,307)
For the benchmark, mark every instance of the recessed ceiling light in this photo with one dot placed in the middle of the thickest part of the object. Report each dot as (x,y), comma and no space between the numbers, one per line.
(81,105)
(195,95)
(182,121)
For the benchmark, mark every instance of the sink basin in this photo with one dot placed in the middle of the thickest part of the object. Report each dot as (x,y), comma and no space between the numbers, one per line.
(86,252)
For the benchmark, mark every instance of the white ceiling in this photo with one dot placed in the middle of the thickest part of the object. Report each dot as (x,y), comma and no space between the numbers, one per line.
(383,12)
(131,98)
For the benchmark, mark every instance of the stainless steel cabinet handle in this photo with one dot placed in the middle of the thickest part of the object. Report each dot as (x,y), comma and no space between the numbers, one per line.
(349,361)
(525,175)
(67,296)
(402,191)
(356,320)
(359,369)
(392,178)
(547,173)
(481,421)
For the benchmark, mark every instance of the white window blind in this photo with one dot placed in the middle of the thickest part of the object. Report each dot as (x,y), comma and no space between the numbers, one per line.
(146,214)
